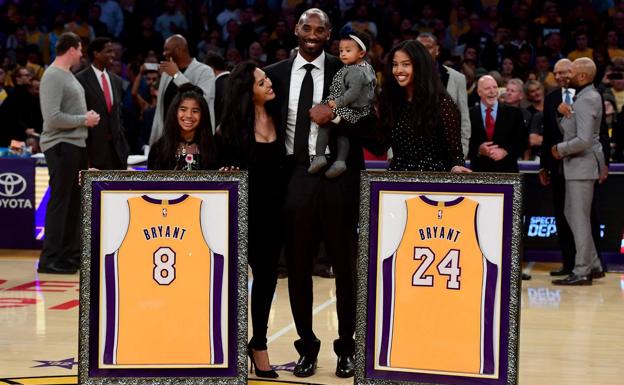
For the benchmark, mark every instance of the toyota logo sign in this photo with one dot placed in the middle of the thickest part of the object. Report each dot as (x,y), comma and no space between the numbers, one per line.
(11,184)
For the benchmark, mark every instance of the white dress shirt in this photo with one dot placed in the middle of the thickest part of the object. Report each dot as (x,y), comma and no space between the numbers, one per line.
(572,93)
(98,75)
(296,79)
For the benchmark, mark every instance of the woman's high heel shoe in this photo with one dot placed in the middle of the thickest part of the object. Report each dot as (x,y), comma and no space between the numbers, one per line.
(260,373)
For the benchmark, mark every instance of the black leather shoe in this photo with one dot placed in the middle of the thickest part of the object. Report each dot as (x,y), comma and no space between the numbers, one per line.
(324,271)
(597,274)
(345,366)
(57,268)
(560,273)
(574,280)
(525,277)
(306,366)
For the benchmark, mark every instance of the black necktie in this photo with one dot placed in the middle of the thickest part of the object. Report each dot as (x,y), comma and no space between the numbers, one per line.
(302,126)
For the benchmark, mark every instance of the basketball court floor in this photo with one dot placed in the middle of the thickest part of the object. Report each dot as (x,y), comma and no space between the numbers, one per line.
(568,335)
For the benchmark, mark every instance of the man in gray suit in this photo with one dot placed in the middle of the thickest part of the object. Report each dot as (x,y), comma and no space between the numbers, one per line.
(583,160)
(180,68)
(455,83)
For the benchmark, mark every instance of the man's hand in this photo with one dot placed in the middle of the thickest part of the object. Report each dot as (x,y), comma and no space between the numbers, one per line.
(331,104)
(169,67)
(460,169)
(485,149)
(565,110)
(321,114)
(604,173)
(544,177)
(555,152)
(497,153)
(93,118)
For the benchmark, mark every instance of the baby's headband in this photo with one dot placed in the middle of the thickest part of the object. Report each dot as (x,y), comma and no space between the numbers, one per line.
(359,41)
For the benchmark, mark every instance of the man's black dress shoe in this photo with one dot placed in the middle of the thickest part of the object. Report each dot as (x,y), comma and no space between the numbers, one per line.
(324,271)
(306,366)
(574,280)
(345,366)
(597,274)
(57,268)
(525,277)
(560,273)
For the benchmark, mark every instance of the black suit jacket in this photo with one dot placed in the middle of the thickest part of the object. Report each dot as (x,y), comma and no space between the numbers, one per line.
(552,133)
(106,143)
(364,132)
(509,134)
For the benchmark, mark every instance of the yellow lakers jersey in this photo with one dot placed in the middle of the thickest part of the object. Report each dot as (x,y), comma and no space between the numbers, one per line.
(163,288)
(438,292)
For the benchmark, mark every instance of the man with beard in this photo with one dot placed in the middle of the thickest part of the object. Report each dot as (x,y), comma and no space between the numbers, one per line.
(583,161)
(106,144)
(317,208)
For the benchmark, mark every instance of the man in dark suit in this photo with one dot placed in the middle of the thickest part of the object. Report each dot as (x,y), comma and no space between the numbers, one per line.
(217,63)
(317,208)
(498,136)
(551,169)
(106,145)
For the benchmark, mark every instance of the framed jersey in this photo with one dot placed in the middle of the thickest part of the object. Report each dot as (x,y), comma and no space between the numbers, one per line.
(163,273)
(439,278)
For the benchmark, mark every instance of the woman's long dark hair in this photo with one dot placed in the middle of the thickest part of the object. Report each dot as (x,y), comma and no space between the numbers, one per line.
(165,148)
(238,116)
(427,90)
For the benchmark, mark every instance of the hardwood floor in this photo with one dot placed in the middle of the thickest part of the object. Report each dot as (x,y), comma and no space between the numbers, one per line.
(569,335)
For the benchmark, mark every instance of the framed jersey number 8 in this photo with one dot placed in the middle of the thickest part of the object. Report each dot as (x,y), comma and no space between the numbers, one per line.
(164,265)
(448,266)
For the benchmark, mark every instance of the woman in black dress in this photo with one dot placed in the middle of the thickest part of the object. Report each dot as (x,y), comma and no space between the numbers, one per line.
(420,121)
(187,142)
(248,140)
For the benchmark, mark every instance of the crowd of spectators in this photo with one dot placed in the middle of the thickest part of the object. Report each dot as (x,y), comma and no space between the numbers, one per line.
(517,42)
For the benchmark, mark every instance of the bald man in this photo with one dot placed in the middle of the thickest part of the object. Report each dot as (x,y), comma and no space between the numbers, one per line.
(498,135)
(583,160)
(180,68)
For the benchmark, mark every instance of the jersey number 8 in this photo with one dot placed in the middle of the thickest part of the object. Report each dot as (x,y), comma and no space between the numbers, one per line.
(164,265)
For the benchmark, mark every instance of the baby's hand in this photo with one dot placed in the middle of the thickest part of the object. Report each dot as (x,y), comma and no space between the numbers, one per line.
(331,104)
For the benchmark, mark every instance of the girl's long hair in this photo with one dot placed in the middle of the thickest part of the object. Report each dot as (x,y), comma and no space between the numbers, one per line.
(167,145)
(427,90)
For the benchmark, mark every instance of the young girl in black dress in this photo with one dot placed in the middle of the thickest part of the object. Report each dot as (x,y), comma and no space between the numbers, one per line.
(187,142)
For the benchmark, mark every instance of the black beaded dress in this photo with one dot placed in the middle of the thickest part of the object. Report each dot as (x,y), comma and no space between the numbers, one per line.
(438,151)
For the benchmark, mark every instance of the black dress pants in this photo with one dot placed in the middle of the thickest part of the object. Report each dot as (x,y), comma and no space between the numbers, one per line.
(321,209)
(62,221)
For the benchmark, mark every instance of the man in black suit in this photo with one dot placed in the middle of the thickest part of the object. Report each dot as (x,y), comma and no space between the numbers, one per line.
(317,208)
(106,144)
(217,63)
(551,170)
(498,134)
